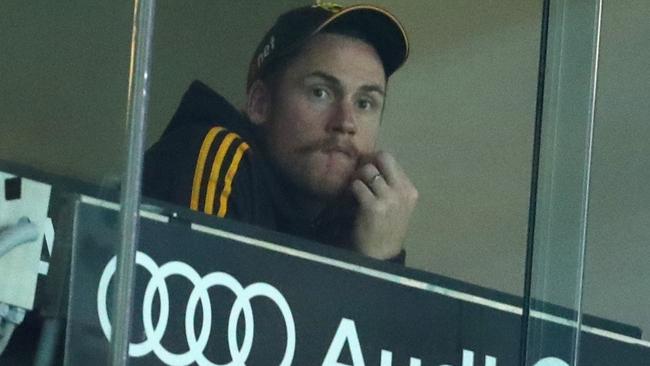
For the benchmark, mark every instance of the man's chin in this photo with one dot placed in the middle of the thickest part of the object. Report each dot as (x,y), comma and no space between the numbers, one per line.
(327,187)
(331,192)
(324,181)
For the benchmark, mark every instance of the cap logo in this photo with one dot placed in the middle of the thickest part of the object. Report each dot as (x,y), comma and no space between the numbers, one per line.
(329,6)
(266,51)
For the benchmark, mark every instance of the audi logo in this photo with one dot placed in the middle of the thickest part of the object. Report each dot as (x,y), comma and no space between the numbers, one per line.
(196,345)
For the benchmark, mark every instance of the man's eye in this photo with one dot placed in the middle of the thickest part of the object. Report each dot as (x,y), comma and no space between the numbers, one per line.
(319,93)
(365,104)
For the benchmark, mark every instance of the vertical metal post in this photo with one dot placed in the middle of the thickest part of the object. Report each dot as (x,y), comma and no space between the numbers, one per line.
(136,114)
(534,181)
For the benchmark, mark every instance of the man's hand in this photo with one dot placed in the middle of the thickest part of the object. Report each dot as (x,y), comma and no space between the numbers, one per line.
(386,200)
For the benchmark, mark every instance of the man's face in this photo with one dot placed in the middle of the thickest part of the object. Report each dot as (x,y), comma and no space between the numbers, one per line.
(324,113)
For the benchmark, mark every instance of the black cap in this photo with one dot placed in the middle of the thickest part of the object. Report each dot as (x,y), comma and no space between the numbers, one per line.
(295,27)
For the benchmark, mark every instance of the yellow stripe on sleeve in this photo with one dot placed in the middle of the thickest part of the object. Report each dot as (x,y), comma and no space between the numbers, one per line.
(214,173)
(200,166)
(230,175)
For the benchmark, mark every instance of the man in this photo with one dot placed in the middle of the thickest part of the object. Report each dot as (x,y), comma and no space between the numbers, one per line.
(302,157)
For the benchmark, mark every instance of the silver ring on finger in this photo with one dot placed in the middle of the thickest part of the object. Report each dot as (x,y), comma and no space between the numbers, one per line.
(374,178)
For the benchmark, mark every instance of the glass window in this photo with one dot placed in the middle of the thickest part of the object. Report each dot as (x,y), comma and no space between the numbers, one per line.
(459,119)
(64,87)
(619,207)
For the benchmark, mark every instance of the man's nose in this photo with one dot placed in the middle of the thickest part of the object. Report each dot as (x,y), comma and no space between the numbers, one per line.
(344,119)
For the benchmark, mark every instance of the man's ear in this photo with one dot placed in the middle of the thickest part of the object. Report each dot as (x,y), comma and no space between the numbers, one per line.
(259,102)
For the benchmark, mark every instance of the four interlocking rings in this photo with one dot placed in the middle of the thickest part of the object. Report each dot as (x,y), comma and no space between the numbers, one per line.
(196,345)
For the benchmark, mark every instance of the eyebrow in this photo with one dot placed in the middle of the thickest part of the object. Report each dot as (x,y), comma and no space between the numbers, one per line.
(334,80)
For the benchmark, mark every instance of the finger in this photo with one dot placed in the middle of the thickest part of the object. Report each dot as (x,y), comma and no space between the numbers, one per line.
(362,193)
(388,167)
(371,176)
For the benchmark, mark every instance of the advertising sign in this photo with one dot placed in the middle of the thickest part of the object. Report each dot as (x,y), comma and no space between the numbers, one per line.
(211,294)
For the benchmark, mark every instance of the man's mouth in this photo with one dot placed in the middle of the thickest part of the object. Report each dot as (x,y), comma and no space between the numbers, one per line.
(336,151)
(345,148)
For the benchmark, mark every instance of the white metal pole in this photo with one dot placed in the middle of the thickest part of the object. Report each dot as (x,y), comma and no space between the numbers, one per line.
(136,115)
